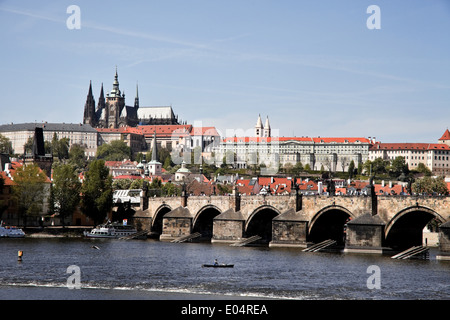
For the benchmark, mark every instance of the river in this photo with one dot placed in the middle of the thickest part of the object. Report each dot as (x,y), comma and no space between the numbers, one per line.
(149,269)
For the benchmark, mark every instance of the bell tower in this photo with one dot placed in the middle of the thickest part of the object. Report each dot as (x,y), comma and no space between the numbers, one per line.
(115,102)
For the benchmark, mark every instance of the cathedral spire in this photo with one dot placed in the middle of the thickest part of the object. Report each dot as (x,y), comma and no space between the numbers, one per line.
(89,108)
(136,100)
(115,92)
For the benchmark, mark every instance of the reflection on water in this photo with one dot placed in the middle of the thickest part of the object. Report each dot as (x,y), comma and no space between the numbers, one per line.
(167,268)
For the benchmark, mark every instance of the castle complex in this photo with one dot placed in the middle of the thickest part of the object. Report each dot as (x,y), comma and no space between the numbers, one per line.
(112,112)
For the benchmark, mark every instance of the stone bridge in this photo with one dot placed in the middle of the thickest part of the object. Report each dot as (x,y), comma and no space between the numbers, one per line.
(358,223)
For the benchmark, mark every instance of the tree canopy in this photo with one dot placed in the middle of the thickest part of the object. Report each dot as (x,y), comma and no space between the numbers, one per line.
(117,150)
(97,191)
(29,190)
(65,193)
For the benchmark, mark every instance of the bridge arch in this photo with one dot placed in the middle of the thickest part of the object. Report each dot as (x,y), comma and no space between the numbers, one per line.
(328,223)
(203,220)
(158,218)
(404,230)
(260,222)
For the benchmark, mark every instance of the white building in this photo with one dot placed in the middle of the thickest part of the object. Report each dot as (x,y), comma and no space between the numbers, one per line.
(82,134)
(333,154)
(435,156)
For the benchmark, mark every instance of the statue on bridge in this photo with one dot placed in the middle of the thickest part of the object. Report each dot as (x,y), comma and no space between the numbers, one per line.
(331,188)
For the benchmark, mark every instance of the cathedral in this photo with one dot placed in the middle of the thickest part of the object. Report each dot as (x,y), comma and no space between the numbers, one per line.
(112,112)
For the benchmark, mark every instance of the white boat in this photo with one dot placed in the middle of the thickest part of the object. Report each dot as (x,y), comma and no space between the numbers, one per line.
(111,230)
(11,232)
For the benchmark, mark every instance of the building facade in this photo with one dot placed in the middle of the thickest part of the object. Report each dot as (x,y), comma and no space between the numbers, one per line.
(435,156)
(331,154)
(81,134)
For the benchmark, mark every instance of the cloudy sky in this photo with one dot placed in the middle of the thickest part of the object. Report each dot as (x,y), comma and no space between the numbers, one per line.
(313,67)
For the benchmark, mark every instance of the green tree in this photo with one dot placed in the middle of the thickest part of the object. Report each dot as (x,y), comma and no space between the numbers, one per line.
(398,166)
(422,168)
(136,184)
(122,184)
(298,168)
(77,157)
(170,189)
(5,145)
(360,168)
(28,146)
(430,185)
(97,191)
(60,147)
(351,169)
(29,191)
(117,150)
(65,191)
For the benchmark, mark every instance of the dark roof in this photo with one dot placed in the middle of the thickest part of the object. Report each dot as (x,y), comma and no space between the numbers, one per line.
(230,214)
(76,127)
(291,215)
(367,219)
(179,212)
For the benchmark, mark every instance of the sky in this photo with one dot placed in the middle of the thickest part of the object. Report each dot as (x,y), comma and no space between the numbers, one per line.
(313,67)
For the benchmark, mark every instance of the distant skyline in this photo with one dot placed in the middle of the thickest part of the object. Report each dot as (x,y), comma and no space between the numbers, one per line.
(313,67)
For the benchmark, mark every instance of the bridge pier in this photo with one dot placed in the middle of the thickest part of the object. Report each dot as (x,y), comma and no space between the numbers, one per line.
(176,223)
(289,229)
(365,234)
(444,242)
(228,227)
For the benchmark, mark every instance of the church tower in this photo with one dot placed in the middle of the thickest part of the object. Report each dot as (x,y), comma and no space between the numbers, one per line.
(115,102)
(154,166)
(266,130)
(259,128)
(89,108)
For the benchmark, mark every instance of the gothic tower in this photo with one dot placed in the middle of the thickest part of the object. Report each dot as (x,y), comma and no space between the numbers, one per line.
(115,102)
(136,100)
(101,110)
(89,108)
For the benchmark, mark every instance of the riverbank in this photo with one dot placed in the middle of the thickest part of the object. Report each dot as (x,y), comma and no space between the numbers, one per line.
(56,231)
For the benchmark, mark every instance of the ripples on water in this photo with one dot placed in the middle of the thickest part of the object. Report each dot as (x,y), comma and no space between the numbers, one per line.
(158,267)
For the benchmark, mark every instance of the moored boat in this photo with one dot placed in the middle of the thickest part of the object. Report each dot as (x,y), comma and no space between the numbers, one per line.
(111,230)
(11,232)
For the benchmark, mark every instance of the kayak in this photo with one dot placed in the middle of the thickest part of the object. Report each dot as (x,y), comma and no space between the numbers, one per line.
(217,265)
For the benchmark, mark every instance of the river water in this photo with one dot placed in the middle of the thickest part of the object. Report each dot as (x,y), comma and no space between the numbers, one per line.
(148,269)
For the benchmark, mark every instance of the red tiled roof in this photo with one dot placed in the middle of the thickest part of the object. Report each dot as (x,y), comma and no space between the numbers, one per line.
(128,176)
(204,131)
(120,130)
(279,139)
(409,146)
(119,163)
(341,140)
(165,130)
(7,180)
(446,135)
(14,166)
